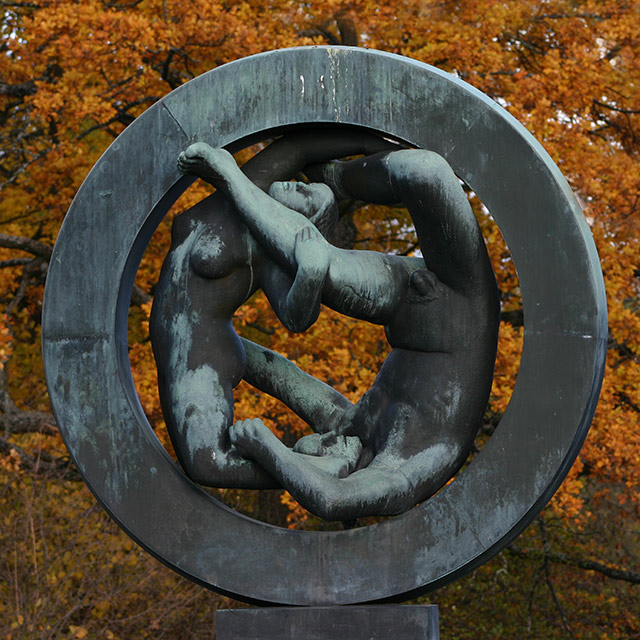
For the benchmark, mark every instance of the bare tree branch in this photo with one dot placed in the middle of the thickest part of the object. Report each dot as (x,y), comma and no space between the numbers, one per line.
(42,250)
(532,594)
(588,565)
(122,116)
(23,5)
(515,317)
(563,16)
(320,30)
(122,5)
(7,405)
(42,463)
(14,262)
(139,296)
(348,33)
(26,244)
(347,28)
(20,170)
(549,581)
(611,107)
(20,90)
(27,422)
(15,421)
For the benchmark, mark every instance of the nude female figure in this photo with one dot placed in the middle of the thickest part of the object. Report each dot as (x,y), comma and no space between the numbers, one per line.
(417,422)
(213,266)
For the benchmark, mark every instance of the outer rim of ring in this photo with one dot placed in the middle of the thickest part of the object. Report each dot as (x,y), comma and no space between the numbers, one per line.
(85,332)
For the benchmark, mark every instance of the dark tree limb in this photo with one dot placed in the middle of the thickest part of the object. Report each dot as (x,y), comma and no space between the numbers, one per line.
(532,595)
(515,317)
(611,107)
(321,30)
(14,421)
(588,565)
(15,174)
(20,5)
(28,422)
(347,31)
(347,28)
(14,262)
(7,406)
(19,90)
(43,463)
(258,327)
(169,75)
(626,400)
(123,116)
(549,581)
(122,5)
(43,252)
(139,296)
(34,247)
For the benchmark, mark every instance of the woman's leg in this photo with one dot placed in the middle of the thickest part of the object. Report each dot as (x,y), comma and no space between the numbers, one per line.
(317,403)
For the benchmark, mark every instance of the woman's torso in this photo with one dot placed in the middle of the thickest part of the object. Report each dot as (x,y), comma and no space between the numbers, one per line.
(206,276)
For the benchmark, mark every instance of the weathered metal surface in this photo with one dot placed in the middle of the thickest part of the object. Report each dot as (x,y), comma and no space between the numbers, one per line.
(493,499)
(414,427)
(377,622)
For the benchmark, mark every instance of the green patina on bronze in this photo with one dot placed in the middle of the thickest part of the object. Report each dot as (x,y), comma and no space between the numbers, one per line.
(414,428)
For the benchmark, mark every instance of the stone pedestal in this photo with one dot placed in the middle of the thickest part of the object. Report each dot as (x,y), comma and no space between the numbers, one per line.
(373,622)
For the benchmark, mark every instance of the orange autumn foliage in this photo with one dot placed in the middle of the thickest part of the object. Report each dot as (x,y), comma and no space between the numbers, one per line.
(75,74)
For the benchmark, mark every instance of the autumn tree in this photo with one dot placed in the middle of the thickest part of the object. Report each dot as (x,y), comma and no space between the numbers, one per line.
(74,75)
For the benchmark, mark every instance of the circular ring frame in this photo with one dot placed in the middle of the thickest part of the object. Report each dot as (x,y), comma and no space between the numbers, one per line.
(89,287)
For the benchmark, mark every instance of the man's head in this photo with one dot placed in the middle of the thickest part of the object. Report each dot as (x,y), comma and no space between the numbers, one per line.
(315,201)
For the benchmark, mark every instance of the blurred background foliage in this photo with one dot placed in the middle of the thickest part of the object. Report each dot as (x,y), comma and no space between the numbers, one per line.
(74,74)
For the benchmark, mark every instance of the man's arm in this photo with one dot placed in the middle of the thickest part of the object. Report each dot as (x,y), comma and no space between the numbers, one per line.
(297,304)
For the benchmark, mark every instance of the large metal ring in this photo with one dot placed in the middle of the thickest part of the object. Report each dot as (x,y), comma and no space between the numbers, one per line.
(500,492)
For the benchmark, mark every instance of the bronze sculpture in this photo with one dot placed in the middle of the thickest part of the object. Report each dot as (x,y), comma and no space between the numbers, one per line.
(414,428)
(111,221)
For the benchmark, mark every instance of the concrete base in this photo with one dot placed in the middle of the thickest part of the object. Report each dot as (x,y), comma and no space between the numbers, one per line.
(373,622)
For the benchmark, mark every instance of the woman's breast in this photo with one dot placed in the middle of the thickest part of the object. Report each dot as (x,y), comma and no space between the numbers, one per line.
(214,254)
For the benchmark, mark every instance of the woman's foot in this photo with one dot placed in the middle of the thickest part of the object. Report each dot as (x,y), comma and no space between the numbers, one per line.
(202,160)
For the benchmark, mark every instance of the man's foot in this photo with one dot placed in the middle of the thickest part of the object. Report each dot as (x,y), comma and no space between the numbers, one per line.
(252,437)
(311,253)
(333,446)
(327,173)
(333,465)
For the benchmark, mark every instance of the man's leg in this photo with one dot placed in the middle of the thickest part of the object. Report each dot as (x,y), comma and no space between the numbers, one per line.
(380,491)
(315,201)
(273,225)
